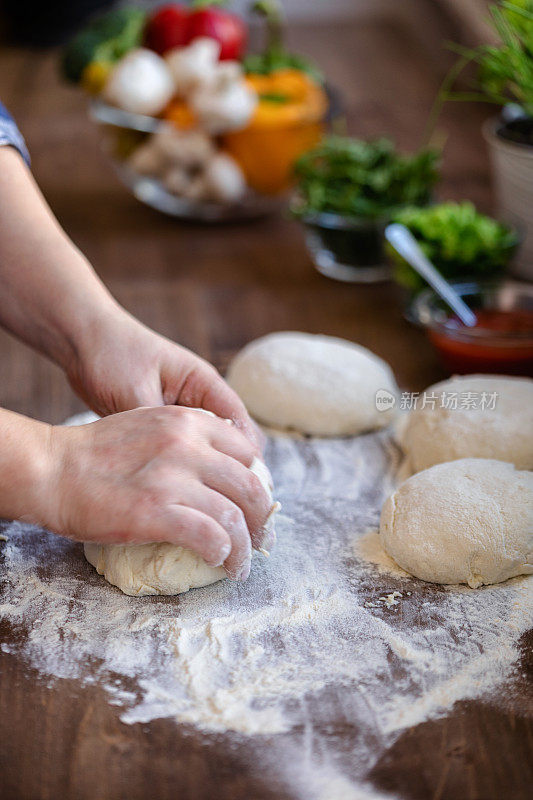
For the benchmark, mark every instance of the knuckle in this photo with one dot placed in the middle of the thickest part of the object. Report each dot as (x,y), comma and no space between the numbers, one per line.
(167,415)
(184,420)
(172,438)
(235,517)
(173,426)
(161,413)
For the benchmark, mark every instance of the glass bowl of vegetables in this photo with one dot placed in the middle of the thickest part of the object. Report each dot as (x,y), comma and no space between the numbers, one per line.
(347,190)
(182,174)
(461,242)
(193,125)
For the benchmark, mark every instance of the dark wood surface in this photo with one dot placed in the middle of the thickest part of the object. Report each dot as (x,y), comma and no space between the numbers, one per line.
(213,290)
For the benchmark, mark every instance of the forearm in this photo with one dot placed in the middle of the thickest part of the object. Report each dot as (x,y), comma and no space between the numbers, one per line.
(25,468)
(49,294)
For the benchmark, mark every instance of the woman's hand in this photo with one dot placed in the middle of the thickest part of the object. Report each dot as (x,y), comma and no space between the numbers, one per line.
(161,474)
(52,299)
(165,474)
(121,365)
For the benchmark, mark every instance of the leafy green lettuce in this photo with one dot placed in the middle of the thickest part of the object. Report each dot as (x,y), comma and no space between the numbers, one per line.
(462,243)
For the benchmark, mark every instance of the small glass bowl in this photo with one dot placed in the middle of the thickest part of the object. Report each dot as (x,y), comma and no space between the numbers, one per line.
(346,248)
(465,350)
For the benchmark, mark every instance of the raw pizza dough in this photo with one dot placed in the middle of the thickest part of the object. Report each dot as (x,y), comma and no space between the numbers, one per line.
(433,435)
(162,568)
(319,385)
(145,569)
(466,521)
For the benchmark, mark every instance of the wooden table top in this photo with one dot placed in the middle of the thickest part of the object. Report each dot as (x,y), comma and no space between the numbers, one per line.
(214,289)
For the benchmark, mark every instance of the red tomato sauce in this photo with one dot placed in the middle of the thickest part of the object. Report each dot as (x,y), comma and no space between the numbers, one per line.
(490,345)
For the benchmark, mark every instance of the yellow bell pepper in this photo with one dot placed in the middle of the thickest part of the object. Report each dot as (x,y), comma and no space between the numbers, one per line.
(288,121)
(95,75)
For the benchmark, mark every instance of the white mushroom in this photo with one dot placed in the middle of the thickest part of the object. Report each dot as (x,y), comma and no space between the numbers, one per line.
(140,83)
(196,190)
(224,179)
(187,148)
(176,181)
(194,65)
(147,160)
(226,72)
(224,107)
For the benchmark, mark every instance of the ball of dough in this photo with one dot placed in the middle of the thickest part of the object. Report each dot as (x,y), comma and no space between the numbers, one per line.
(162,568)
(145,569)
(466,521)
(319,385)
(505,431)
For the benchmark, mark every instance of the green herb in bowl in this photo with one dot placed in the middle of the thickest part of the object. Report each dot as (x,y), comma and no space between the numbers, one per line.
(462,243)
(356,178)
(347,190)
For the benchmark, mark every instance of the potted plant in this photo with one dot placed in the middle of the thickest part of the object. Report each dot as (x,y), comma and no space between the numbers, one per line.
(505,77)
(347,191)
(463,244)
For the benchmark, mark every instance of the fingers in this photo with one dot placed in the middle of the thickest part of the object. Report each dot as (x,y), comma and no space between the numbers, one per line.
(228,516)
(240,485)
(191,528)
(172,475)
(260,435)
(201,386)
(224,402)
(226,439)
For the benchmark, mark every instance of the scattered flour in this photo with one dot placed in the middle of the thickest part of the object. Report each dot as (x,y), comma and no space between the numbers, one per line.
(328,622)
(368,547)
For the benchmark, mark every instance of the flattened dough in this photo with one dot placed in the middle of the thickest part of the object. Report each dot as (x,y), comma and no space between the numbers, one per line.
(319,385)
(466,521)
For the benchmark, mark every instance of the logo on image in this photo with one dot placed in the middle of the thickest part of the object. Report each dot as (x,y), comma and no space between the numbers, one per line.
(385,400)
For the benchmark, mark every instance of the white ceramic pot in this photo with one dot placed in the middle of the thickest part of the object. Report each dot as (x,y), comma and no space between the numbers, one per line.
(513,182)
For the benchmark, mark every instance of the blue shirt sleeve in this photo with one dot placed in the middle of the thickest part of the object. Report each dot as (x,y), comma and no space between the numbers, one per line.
(10,134)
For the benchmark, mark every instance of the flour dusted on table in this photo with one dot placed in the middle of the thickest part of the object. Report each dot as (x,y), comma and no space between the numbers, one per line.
(307,634)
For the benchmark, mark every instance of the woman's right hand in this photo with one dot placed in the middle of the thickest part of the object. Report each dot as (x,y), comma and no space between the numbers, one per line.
(168,474)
